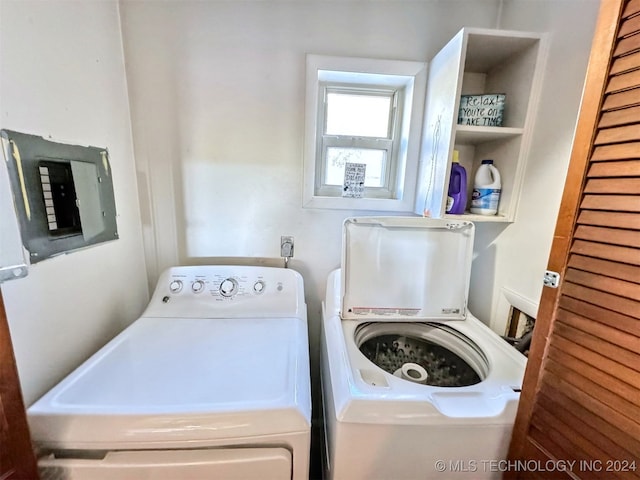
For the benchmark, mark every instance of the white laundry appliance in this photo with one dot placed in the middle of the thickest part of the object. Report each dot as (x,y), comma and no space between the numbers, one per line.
(211,382)
(414,386)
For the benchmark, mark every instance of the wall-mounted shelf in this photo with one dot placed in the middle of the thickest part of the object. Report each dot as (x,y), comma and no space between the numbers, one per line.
(471,217)
(479,61)
(470,135)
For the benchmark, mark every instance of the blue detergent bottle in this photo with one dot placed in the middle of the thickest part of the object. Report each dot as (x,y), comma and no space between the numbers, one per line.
(457,194)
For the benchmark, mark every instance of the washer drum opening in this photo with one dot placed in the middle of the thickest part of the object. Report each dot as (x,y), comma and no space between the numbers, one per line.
(449,358)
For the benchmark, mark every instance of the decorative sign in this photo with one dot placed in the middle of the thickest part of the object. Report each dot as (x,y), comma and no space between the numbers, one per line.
(481,110)
(354,180)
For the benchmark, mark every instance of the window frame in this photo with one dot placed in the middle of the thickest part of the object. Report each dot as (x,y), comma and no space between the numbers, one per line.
(388,144)
(407,81)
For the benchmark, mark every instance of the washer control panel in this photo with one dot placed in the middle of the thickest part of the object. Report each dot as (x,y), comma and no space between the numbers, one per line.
(226,285)
(211,291)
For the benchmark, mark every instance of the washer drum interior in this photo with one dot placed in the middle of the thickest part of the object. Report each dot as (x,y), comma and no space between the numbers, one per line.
(449,358)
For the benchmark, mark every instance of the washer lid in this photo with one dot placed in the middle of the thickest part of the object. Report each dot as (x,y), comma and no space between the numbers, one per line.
(400,268)
(166,379)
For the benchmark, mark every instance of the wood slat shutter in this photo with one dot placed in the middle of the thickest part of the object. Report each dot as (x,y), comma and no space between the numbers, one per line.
(17,458)
(581,394)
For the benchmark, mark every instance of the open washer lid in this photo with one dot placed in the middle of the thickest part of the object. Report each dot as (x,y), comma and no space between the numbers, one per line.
(174,380)
(405,268)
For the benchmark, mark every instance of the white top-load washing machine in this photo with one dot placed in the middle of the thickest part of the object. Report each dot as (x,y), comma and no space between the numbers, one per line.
(211,382)
(414,386)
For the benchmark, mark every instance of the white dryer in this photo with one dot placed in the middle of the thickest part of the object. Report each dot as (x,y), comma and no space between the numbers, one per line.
(211,382)
(414,386)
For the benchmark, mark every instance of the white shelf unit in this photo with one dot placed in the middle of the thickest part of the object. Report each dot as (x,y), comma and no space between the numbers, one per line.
(479,61)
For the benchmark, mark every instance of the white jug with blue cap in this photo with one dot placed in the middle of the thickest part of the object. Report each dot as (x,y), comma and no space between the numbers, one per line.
(486,189)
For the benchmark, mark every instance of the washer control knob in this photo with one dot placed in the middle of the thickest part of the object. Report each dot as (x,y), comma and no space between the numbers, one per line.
(175,286)
(228,287)
(197,286)
(258,287)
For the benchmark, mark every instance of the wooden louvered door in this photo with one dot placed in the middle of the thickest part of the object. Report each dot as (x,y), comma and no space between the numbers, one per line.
(17,459)
(581,395)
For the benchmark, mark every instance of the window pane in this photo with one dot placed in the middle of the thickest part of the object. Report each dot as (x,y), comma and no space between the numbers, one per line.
(358,115)
(375,161)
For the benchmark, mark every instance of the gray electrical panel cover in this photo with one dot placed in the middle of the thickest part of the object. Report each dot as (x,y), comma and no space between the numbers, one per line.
(62,193)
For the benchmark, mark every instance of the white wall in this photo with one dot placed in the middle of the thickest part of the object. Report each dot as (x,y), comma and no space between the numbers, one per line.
(217,93)
(217,97)
(515,258)
(62,75)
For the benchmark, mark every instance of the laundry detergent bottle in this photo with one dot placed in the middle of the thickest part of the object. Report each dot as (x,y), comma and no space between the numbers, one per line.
(486,189)
(457,194)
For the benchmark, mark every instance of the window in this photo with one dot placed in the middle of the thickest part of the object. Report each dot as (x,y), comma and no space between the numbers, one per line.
(357,125)
(365,112)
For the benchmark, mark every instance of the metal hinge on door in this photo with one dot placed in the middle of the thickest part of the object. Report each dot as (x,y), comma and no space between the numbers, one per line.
(551,279)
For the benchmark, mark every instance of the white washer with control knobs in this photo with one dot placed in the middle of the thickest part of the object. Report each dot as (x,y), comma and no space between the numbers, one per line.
(212,381)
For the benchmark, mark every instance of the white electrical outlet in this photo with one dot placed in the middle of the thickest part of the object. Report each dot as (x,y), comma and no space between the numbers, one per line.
(286,246)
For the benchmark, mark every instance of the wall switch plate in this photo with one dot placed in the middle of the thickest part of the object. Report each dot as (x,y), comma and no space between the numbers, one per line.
(286,246)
